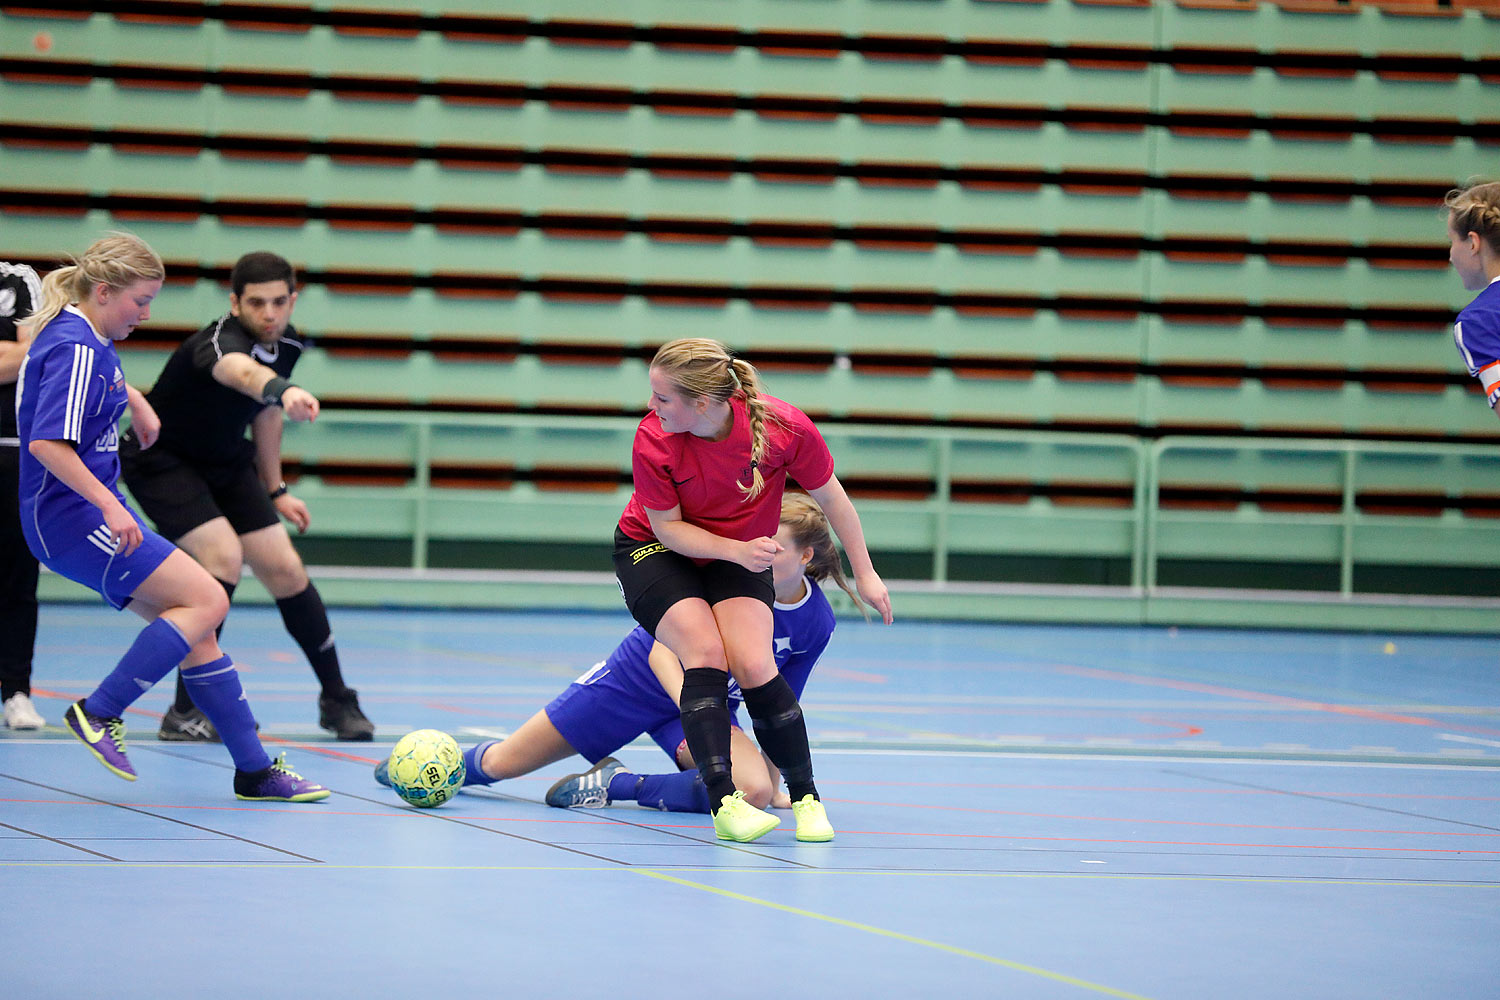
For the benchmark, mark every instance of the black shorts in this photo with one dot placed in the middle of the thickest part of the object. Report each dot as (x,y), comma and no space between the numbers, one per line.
(653,578)
(179,495)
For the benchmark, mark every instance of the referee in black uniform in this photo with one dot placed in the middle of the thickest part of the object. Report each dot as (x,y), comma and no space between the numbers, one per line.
(220,496)
(20,291)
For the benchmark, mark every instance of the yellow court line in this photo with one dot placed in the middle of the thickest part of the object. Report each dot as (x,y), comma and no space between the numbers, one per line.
(897,935)
(780,873)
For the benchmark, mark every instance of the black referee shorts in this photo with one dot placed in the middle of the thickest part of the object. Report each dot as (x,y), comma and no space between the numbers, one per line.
(653,578)
(179,495)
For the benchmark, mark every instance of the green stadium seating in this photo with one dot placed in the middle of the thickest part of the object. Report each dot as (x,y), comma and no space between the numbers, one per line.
(1125,221)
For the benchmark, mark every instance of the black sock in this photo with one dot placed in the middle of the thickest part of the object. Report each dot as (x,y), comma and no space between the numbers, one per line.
(182,701)
(705,723)
(306,621)
(782,733)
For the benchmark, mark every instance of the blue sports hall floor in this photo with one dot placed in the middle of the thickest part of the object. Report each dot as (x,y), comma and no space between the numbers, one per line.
(1022,811)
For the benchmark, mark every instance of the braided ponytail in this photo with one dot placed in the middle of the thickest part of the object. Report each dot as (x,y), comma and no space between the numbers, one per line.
(698,366)
(757,411)
(1476,209)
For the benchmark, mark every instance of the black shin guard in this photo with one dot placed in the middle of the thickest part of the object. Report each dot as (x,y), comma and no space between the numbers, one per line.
(705,723)
(782,733)
(306,621)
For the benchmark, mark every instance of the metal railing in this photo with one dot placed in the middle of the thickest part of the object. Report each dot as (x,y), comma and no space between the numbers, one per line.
(1143,520)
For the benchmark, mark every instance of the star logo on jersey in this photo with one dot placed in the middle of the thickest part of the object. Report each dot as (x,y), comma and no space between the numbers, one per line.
(7,301)
(782,644)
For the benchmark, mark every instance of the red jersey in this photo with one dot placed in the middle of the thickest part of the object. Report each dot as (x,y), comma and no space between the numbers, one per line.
(699,475)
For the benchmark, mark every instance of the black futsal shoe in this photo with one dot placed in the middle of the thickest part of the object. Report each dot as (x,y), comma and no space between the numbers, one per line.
(191,726)
(340,715)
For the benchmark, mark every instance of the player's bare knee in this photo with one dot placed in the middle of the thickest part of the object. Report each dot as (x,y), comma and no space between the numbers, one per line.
(224,563)
(757,793)
(212,604)
(710,655)
(284,579)
(753,674)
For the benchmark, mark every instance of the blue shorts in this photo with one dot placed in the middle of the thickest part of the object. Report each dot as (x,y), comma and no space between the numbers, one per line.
(72,541)
(598,715)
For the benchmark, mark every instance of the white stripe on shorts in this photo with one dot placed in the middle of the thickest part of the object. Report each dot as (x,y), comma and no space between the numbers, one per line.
(101,540)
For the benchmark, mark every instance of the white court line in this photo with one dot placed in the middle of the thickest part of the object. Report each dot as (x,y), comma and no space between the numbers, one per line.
(1468,739)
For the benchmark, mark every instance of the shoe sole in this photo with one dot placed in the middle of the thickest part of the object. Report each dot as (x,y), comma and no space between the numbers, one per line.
(349,736)
(97,755)
(815,838)
(749,836)
(186,738)
(304,797)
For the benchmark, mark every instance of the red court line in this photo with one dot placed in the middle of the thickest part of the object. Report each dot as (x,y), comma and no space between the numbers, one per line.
(1158,822)
(1264,696)
(279,741)
(1156,790)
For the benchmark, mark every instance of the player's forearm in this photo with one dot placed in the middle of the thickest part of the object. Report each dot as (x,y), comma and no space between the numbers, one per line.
(692,541)
(63,462)
(668,670)
(12,355)
(265,432)
(844,520)
(139,406)
(243,373)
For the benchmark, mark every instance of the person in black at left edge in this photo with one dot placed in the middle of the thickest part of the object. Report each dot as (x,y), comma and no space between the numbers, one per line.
(219,496)
(20,292)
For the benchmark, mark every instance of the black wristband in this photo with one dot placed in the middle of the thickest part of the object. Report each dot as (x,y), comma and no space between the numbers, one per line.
(279,491)
(274,390)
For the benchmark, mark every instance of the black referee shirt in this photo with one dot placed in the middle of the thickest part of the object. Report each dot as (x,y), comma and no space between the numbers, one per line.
(20,289)
(201,420)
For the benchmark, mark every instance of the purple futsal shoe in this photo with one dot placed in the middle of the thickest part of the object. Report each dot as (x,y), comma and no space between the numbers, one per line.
(277,783)
(105,738)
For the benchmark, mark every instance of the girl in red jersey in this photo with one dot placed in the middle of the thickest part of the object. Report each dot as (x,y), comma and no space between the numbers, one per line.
(693,554)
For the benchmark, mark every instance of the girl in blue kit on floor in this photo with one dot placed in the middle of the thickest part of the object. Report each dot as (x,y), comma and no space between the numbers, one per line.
(634,691)
(70,395)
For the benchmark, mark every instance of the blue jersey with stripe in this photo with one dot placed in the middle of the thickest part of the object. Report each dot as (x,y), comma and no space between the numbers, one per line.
(1477,335)
(71,388)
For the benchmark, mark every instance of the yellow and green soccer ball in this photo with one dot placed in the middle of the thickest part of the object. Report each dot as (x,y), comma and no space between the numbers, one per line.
(426,768)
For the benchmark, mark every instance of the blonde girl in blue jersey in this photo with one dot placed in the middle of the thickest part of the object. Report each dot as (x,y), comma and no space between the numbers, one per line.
(1474,252)
(70,395)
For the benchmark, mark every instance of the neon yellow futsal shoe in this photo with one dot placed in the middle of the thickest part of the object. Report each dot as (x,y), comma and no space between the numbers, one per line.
(812,821)
(739,820)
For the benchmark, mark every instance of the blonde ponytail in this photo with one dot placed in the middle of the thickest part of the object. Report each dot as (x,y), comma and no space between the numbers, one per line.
(57,291)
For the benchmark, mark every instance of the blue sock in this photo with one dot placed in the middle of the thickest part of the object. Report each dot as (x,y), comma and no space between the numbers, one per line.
(157,649)
(682,792)
(473,775)
(215,687)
